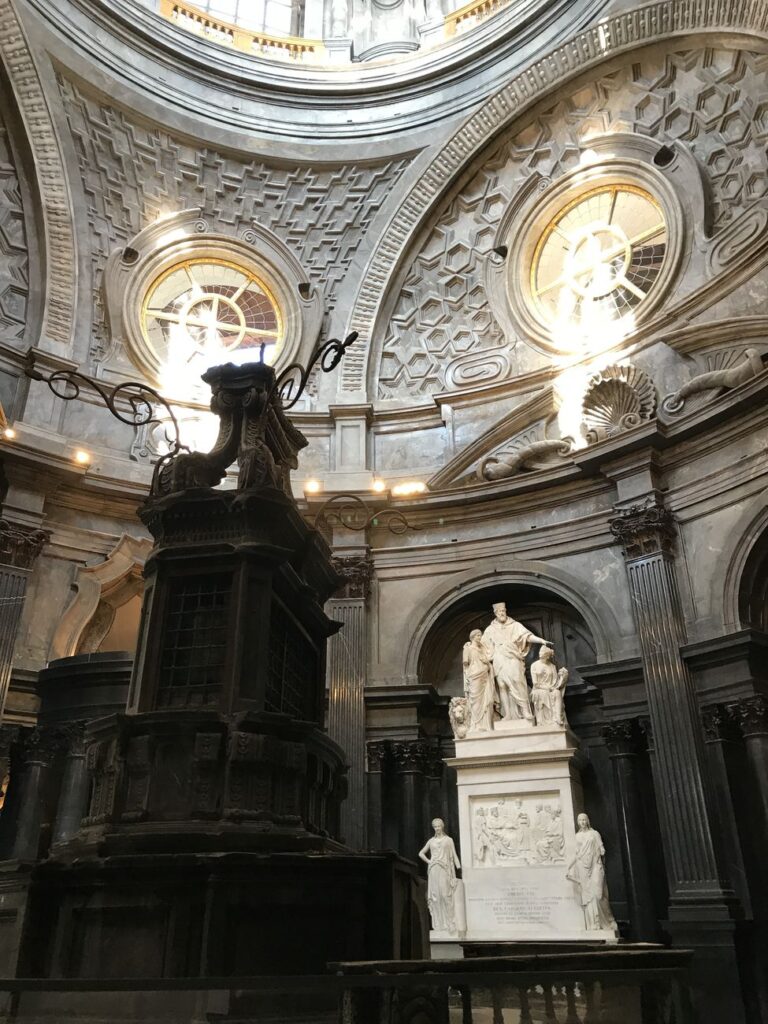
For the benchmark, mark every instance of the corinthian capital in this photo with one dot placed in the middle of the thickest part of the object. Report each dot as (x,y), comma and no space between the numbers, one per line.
(752,714)
(356,572)
(645,529)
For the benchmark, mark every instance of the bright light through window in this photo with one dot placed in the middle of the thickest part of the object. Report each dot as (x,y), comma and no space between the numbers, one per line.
(203,312)
(599,257)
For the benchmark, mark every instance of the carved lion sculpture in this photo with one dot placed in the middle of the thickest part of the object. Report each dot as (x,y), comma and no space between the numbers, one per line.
(458,713)
(717,380)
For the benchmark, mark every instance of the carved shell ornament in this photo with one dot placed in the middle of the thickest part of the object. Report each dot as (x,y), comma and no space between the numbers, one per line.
(617,398)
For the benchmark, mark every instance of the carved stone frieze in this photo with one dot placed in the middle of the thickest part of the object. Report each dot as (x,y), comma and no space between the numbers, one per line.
(535,455)
(14,255)
(645,529)
(356,572)
(751,713)
(616,399)
(733,369)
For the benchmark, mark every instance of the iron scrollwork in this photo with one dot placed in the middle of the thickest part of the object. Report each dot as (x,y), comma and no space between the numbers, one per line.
(142,402)
(351,512)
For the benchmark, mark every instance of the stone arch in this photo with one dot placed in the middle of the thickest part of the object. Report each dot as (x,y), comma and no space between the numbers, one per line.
(102,591)
(537,576)
(600,44)
(745,595)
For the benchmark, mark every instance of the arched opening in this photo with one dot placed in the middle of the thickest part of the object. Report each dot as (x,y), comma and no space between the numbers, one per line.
(753,586)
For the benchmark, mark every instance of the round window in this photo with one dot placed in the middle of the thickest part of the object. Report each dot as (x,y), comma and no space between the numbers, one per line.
(599,257)
(201,312)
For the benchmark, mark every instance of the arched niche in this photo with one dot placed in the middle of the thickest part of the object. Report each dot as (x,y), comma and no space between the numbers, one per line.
(104,613)
(544,612)
(753,584)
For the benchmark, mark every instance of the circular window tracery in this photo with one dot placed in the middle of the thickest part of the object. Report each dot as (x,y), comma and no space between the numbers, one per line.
(204,311)
(599,257)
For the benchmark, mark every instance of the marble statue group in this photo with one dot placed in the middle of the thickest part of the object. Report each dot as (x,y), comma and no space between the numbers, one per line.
(494,664)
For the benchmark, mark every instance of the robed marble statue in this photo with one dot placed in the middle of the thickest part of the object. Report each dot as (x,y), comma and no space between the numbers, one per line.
(508,642)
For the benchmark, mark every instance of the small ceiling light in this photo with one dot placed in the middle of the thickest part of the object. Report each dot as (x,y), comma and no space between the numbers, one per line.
(9,433)
(379,486)
(312,486)
(409,487)
(82,458)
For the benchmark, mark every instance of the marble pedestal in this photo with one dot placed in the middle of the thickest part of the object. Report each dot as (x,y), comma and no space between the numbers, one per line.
(511,784)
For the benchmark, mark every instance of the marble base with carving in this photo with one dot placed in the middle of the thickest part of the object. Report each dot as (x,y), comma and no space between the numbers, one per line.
(519,795)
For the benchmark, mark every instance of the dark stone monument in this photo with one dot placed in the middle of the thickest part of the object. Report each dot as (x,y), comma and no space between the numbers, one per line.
(210,845)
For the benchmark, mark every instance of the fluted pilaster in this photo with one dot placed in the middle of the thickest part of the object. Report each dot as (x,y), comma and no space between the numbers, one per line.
(347,663)
(646,533)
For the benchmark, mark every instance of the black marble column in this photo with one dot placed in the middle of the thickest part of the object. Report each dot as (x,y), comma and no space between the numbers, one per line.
(623,740)
(702,904)
(19,548)
(722,739)
(409,758)
(75,785)
(37,751)
(377,752)
(646,533)
(347,664)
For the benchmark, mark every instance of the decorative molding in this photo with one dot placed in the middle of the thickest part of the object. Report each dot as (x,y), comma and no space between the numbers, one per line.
(544,454)
(617,399)
(60,251)
(645,529)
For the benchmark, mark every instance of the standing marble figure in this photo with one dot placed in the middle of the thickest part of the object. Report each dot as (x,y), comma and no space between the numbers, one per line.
(548,686)
(587,871)
(479,688)
(508,642)
(442,863)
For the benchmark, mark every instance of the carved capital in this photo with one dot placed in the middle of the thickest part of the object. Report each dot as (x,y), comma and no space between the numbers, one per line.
(20,545)
(751,713)
(410,757)
(718,723)
(433,763)
(376,751)
(623,737)
(646,529)
(646,727)
(356,572)
(39,746)
(73,738)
